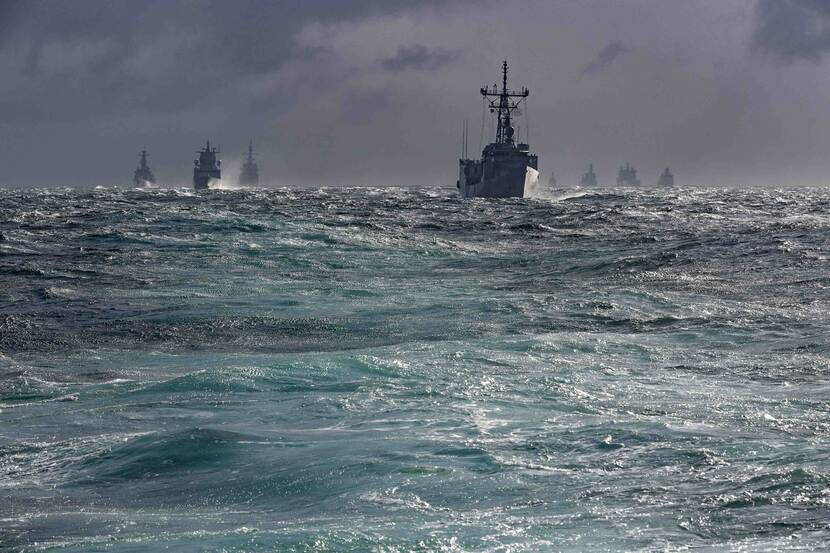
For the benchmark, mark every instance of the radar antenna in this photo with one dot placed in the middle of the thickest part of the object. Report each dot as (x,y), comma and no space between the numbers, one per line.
(503,103)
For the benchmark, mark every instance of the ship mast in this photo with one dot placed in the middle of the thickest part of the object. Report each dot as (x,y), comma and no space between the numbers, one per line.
(503,103)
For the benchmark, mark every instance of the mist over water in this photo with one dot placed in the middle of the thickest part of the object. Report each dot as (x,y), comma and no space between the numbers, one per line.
(399,370)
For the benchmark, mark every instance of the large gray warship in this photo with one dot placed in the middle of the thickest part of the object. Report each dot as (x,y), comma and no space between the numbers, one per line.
(206,168)
(589,179)
(627,176)
(505,168)
(666,179)
(143,175)
(250,172)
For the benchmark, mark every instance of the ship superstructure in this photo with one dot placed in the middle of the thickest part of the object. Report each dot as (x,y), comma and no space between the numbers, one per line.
(627,176)
(249,175)
(589,179)
(143,175)
(206,167)
(666,179)
(506,168)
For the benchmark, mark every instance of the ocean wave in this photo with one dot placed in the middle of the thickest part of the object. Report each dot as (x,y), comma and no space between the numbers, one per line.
(391,369)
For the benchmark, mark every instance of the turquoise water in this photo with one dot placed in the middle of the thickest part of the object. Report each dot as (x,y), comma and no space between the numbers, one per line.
(392,370)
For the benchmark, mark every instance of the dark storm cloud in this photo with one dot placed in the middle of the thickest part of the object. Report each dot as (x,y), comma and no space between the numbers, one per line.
(420,58)
(793,29)
(605,58)
(83,58)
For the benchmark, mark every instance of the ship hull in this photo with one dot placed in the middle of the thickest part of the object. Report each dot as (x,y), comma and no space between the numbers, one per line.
(248,178)
(201,179)
(503,172)
(508,183)
(144,180)
(628,183)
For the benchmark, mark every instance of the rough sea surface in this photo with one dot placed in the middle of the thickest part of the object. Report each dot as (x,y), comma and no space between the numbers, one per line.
(395,370)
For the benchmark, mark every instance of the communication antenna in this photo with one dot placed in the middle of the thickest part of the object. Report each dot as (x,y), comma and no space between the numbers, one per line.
(466,138)
(483,119)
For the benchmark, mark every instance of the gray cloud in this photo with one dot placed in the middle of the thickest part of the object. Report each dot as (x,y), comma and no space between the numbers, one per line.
(88,57)
(420,58)
(362,106)
(793,30)
(605,58)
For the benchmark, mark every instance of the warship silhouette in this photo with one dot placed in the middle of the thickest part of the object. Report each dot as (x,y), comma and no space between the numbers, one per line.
(143,175)
(505,168)
(206,168)
(666,179)
(627,176)
(250,172)
(589,179)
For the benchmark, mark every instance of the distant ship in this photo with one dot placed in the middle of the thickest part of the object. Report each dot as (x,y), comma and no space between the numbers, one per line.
(250,172)
(206,168)
(506,169)
(589,179)
(666,179)
(143,175)
(627,176)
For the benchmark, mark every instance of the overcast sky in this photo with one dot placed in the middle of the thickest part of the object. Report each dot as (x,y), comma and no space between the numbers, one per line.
(353,92)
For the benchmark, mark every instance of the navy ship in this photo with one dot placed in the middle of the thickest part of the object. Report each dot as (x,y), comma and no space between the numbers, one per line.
(589,179)
(206,168)
(627,176)
(250,172)
(143,175)
(506,169)
(666,179)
